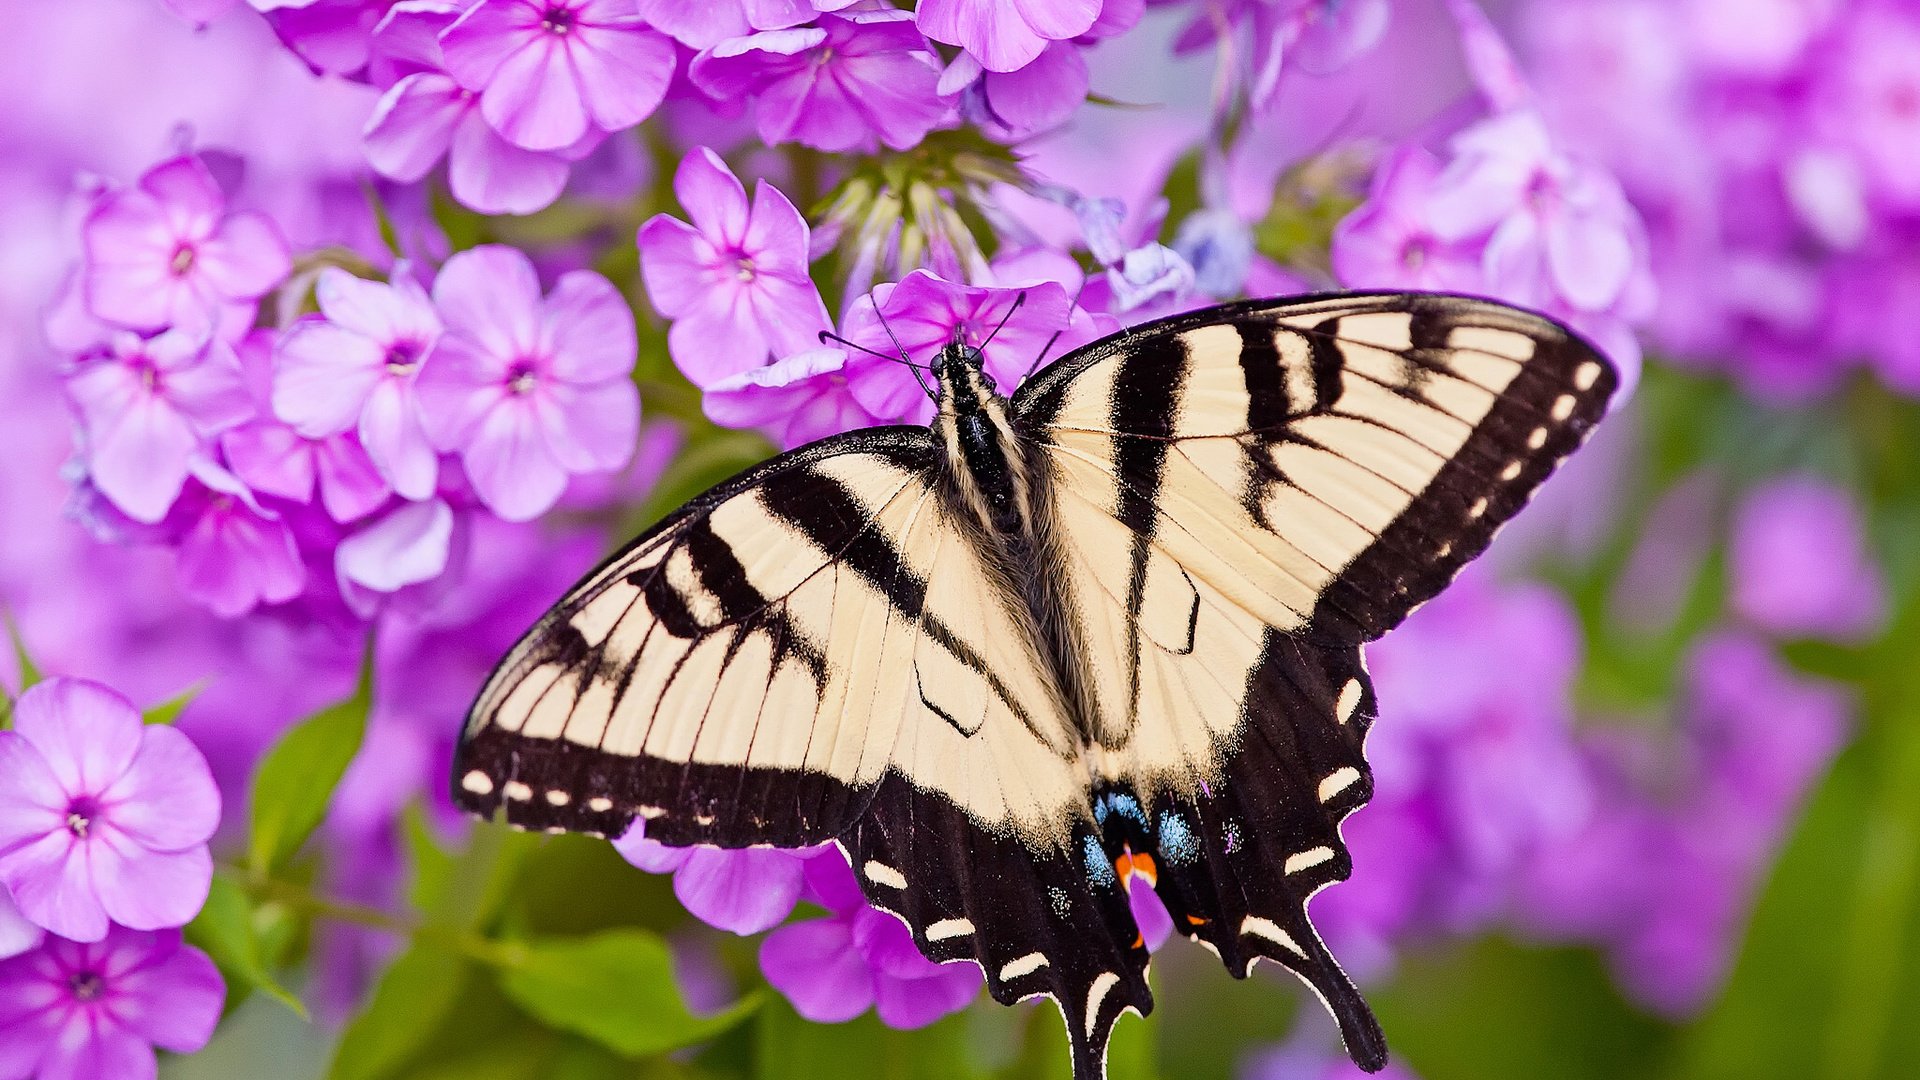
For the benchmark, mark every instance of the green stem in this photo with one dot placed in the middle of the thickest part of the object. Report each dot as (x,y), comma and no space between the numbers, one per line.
(300,899)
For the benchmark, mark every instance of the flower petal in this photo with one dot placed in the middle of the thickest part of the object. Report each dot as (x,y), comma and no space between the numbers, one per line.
(713,197)
(244,258)
(534,99)
(590,329)
(322,376)
(107,1052)
(88,734)
(167,799)
(591,429)
(623,73)
(147,890)
(493,176)
(744,891)
(396,443)
(413,125)
(406,547)
(816,966)
(52,888)
(492,294)
(174,1004)
(512,470)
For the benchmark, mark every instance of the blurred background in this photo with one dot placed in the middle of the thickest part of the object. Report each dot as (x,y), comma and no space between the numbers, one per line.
(1648,776)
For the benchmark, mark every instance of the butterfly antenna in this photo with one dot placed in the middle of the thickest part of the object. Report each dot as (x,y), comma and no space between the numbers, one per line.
(828,335)
(1004,319)
(902,350)
(1048,347)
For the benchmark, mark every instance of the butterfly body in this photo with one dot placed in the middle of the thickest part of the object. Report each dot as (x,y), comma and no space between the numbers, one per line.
(1107,628)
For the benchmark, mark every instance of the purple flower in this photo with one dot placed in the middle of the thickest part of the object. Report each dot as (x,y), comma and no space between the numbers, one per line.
(794,400)
(166,252)
(549,72)
(1262,38)
(409,545)
(1390,242)
(529,390)
(356,368)
(274,459)
(147,408)
(74,1011)
(102,817)
(744,892)
(426,115)
(734,282)
(704,25)
(836,968)
(1800,564)
(1016,105)
(1005,35)
(233,554)
(925,313)
(845,84)
(1219,248)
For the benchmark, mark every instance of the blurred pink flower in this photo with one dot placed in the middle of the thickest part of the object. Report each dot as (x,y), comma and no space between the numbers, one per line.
(102,817)
(233,554)
(1005,35)
(1389,241)
(1800,564)
(165,252)
(17,935)
(526,389)
(147,410)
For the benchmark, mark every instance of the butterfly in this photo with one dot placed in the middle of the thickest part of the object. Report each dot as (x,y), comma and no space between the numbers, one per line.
(1107,628)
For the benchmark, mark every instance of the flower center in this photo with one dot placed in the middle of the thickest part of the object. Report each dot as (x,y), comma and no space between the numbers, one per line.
(743,269)
(558,20)
(182,261)
(80,815)
(86,985)
(521,377)
(1903,100)
(1414,254)
(403,358)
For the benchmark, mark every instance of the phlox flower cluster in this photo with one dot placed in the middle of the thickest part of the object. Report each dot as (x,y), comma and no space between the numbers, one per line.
(423,437)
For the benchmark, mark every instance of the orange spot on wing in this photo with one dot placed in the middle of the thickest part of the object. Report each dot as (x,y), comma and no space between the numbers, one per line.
(1197,920)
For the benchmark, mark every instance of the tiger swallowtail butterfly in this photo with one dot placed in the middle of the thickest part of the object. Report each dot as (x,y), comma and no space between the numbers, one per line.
(1110,626)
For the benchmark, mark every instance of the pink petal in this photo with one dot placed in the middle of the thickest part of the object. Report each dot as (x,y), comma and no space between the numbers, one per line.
(272,458)
(350,486)
(406,547)
(140,462)
(174,1004)
(696,341)
(590,329)
(674,259)
(245,258)
(623,73)
(713,197)
(650,855)
(745,891)
(413,125)
(1589,256)
(591,429)
(52,888)
(1057,20)
(493,295)
(397,443)
(32,801)
(187,190)
(698,26)
(17,936)
(534,99)
(485,37)
(88,733)
(105,1052)
(232,560)
(148,890)
(456,391)
(322,377)
(991,30)
(493,176)
(816,966)
(166,800)
(512,469)
(789,313)
(389,314)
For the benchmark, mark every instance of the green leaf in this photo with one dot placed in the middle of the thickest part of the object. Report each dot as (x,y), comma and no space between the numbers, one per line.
(226,931)
(296,778)
(615,988)
(29,674)
(419,992)
(169,710)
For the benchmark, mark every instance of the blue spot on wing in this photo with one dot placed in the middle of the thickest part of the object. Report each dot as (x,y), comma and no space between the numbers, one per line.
(1099,870)
(1178,844)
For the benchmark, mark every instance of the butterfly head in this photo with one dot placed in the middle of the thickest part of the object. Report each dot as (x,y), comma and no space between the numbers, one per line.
(965,386)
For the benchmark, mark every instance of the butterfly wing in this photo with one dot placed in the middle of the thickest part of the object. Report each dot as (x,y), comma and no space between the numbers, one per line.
(818,651)
(1244,496)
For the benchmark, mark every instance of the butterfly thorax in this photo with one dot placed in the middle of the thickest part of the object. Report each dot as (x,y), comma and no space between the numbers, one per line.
(984,458)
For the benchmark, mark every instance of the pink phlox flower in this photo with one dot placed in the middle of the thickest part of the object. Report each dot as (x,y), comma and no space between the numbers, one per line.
(528,390)
(102,817)
(1266,38)
(272,458)
(795,399)
(427,115)
(858,958)
(847,83)
(148,408)
(704,25)
(925,313)
(1219,248)
(96,1011)
(332,36)
(1144,279)
(356,368)
(550,71)
(1800,563)
(735,281)
(232,553)
(165,252)
(1005,35)
(1389,241)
